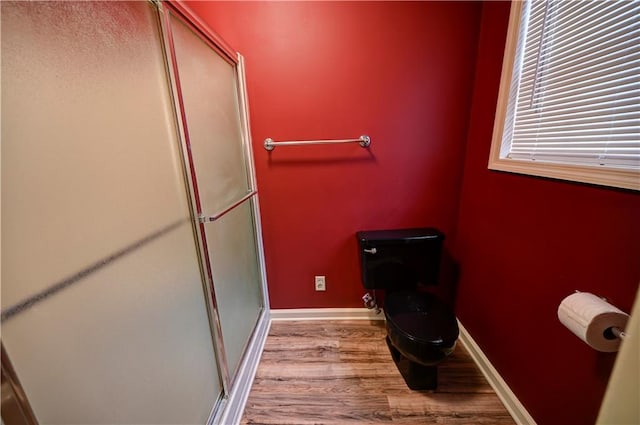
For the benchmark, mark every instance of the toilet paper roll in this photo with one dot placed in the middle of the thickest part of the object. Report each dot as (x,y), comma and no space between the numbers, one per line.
(591,318)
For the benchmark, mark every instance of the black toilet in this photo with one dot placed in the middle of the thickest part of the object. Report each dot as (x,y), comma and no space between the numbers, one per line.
(421,330)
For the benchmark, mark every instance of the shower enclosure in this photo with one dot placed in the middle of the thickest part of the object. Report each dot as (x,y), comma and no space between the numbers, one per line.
(133,285)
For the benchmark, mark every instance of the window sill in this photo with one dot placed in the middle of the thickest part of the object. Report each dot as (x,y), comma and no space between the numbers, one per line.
(625,179)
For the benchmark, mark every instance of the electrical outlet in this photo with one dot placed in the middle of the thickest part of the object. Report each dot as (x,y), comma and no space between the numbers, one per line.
(321,284)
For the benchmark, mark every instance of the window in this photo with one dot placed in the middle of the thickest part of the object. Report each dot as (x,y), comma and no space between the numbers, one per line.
(569,101)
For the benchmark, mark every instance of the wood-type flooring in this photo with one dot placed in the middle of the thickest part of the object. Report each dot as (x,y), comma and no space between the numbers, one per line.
(341,373)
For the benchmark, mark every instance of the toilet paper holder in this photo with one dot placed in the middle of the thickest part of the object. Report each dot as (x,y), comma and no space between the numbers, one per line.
(614,332)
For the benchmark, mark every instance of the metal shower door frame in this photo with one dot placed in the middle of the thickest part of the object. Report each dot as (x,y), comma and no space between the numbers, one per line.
(218,45)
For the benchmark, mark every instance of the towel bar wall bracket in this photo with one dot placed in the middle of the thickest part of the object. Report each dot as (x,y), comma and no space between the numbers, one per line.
(270,144)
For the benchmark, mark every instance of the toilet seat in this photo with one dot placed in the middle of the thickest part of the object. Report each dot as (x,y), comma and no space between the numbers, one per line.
(420,326)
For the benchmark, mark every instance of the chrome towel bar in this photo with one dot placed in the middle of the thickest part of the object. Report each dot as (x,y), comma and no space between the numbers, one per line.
(270,144)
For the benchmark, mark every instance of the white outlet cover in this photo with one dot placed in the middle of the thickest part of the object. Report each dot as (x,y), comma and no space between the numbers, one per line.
(320,283)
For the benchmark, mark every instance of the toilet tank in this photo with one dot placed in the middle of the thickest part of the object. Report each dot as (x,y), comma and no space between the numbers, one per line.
(400,258)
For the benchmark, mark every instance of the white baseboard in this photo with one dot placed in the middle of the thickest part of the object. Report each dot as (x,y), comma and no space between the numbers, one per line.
(508,398)
(233,408)
(325,314)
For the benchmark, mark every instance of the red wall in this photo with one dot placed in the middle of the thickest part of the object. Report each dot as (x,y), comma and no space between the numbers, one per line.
(525,243)
(401,72)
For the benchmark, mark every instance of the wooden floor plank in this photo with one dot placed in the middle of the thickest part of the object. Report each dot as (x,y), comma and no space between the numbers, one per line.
(454,408)
(314,408)
(341,372)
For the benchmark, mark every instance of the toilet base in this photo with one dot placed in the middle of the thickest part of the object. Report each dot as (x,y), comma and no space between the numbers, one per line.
(418,377)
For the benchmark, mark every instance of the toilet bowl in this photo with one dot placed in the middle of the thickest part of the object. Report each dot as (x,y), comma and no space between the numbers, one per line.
(421,330)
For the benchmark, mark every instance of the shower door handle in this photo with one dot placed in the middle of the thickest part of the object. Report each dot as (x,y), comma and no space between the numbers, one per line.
(203,218)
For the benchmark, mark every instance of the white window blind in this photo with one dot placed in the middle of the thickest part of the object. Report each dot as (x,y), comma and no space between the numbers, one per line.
(575,88)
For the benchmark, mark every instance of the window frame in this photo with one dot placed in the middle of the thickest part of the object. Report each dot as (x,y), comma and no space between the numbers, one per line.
(604,176)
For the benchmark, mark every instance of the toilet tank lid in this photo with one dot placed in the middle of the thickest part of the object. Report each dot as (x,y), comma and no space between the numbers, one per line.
(405,235)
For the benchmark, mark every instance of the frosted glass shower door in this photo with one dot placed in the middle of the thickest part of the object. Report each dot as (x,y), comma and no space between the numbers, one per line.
(104,315)
(208,78)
